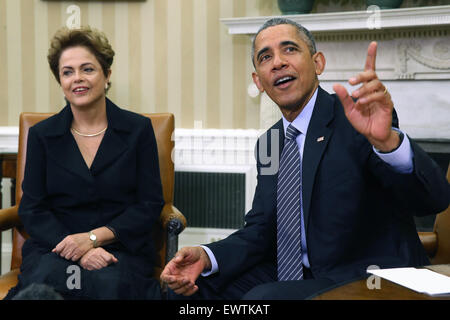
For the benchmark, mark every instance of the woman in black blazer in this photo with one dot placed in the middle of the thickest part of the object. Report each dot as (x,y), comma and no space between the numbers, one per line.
(92,190)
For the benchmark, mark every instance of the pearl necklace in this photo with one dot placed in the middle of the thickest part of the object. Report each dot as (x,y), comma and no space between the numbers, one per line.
(88,135)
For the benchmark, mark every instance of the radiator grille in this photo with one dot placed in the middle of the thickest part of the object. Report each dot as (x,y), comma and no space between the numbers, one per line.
(211,199)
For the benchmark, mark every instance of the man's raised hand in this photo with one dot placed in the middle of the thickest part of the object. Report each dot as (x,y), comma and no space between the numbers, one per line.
(371,114)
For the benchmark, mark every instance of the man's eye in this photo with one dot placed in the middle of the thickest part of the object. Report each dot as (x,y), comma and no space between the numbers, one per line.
(264,57)
(290,49)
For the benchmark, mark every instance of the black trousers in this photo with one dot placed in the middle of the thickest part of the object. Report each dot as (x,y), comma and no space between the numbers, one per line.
(259,283)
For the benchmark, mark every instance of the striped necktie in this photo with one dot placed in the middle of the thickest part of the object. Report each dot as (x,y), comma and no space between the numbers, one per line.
(289,251)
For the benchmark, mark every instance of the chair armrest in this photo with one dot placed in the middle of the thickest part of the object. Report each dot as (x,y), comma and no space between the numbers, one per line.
(174,222)
(172,219)
(9,218)
(429,242)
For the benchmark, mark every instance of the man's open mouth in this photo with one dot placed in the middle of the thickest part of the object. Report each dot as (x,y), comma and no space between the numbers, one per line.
(284,80)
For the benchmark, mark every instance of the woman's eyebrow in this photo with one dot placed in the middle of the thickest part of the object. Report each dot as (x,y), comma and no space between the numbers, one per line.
(84,64)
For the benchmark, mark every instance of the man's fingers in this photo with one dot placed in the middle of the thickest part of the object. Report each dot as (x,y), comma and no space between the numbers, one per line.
(371,56)
(186,290)
(343,95)
(179,284)
(168,275)
(363,77)
(376,96)
(174,280)
(191,291)
(182,256)
(368,88)
(178,257)
(167,279)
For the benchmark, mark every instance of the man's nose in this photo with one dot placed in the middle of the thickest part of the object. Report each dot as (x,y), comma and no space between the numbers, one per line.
(278,61)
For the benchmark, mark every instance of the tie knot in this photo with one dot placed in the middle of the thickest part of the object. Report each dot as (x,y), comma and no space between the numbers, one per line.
(292,132)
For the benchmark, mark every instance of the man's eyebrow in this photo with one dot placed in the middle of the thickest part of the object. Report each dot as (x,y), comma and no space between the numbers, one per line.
(260,52)
(289,43)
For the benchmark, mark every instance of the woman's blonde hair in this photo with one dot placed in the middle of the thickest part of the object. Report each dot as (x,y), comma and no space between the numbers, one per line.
(93,40)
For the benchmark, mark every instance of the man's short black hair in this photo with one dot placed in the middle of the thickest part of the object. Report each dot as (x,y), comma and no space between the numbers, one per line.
(302,31)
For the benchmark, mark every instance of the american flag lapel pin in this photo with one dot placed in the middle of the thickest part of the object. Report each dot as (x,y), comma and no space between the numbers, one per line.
(320,139)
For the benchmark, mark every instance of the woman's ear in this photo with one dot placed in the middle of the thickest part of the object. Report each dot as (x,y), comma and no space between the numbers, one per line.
(108,83)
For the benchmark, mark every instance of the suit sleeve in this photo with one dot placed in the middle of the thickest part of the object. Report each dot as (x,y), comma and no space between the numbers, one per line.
(34,210)
(248,246)
(134,226)
(424,191)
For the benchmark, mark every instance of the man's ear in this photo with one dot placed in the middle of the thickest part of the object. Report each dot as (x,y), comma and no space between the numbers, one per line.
(319,61)
(257,82)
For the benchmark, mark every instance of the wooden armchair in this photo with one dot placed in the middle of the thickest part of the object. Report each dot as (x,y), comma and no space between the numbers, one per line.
(172,222)
(437,243)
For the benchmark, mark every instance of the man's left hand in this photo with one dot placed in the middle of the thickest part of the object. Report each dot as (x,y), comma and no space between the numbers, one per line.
(371,114)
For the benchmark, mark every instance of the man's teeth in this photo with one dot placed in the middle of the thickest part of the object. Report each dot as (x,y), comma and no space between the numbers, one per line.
(284,79)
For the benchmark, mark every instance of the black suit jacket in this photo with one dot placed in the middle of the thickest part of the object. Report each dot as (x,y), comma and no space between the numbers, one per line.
(122,189)
(358,211)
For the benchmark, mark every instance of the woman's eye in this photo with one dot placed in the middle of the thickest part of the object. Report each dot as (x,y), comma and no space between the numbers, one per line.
(88,69)
(66,72)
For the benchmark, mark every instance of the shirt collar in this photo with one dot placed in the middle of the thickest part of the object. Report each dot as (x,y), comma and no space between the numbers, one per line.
(301,123)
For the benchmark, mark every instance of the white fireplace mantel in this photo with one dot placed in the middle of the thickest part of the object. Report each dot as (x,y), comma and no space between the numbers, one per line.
(352,20)
(413,59)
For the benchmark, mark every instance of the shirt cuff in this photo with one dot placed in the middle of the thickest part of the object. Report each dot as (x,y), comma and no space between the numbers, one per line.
(401,159)
(214,265)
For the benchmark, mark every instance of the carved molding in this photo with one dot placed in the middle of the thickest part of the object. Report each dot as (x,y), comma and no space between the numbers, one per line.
(382,35)
(439,62)
(436,62)
(353,20)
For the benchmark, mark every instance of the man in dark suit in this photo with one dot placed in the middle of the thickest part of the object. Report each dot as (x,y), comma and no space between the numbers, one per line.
(361,182)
